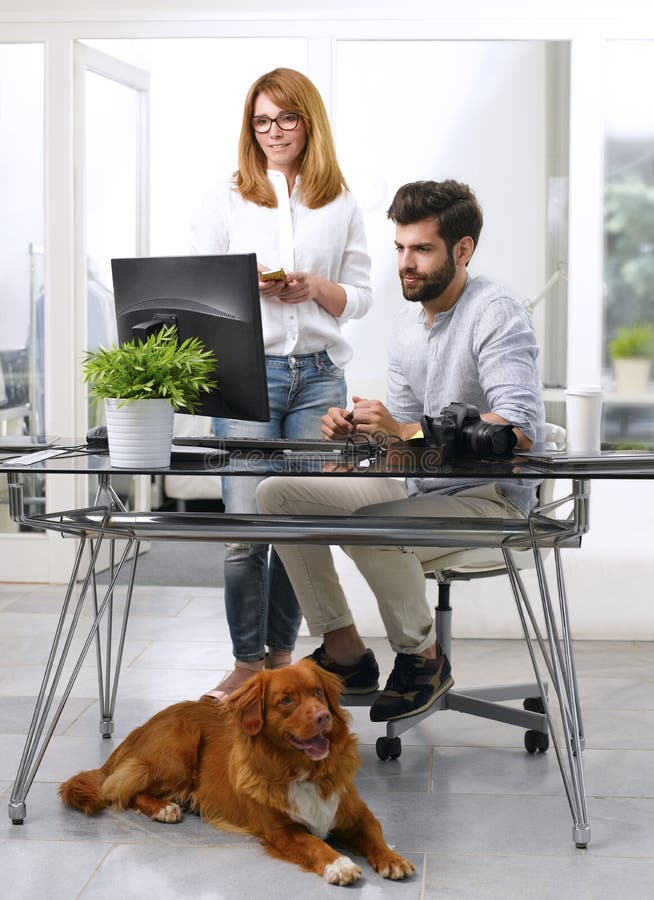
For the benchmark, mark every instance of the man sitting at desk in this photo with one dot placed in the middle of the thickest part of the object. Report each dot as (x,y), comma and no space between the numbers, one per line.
(458,339)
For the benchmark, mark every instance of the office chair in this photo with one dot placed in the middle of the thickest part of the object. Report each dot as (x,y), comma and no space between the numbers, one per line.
(466,565)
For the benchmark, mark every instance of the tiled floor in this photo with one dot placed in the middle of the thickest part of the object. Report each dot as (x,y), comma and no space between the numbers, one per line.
(479,817)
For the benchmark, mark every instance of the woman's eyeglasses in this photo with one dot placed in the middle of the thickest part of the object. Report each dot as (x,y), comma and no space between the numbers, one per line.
(287,121)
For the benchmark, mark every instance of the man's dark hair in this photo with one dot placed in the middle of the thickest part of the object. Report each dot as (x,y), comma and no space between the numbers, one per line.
(453,204)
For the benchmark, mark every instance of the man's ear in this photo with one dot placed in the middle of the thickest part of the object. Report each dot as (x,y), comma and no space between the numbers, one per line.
(463,250)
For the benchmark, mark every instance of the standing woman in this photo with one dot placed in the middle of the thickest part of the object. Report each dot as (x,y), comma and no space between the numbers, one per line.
(289,203)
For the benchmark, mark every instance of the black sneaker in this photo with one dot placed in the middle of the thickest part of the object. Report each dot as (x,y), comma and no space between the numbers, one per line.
(360,678)
(412,687)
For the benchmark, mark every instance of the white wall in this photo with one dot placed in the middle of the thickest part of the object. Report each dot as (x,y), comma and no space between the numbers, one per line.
(385,136)
(552,10)
(396,121)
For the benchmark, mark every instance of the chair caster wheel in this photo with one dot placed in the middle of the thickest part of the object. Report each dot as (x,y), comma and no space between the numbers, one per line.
(534,704)
(388,748)
(536,740)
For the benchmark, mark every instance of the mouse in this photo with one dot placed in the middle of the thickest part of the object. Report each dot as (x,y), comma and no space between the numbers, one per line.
(97,436)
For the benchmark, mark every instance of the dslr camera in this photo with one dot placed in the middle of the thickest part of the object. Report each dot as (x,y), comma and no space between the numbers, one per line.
(463,435)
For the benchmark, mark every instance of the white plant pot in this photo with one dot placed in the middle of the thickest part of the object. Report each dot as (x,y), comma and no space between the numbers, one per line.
(140,433)
(631,375)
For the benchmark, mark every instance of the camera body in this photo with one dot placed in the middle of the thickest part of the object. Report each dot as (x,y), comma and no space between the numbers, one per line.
(461,432)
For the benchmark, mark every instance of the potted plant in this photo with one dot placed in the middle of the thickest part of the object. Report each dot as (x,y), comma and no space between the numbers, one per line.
(632,350)
(142,384)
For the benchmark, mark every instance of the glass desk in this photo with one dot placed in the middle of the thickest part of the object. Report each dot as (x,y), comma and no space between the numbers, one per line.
(553,527)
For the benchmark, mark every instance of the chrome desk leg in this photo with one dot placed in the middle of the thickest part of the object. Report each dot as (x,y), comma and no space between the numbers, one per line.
(45,719)
(108,687)
(108,684)
(557,654)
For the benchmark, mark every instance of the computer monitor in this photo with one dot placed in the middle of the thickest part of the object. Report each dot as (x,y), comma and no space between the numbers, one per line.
(214,298)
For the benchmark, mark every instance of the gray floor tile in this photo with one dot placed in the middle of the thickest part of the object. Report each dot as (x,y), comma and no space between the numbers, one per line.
(16,713)
(47,868)
(479,816)
(227,874)
(178,654)
(632,692)
(205,602)
(34,651)
(500,771)
(619,729)
(64,757)
(129,714)
(47,816)
(502,823)
(484,877)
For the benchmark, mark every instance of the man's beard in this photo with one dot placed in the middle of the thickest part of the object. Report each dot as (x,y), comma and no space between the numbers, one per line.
(431,285)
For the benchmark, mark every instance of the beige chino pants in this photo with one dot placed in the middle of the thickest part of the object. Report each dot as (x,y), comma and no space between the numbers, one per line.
(395,574)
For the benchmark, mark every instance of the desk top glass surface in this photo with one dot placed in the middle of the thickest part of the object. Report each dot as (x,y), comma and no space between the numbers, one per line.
(400,461)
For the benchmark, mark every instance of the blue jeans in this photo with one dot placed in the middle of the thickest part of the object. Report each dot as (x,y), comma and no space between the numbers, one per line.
(262,610)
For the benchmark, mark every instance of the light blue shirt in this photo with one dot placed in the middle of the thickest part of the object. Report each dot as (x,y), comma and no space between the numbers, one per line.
(482,351)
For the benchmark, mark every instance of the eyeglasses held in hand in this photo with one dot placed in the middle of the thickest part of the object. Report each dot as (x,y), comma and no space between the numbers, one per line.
(287,121)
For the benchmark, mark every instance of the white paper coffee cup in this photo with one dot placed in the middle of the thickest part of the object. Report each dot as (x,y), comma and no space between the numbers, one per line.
(583,416)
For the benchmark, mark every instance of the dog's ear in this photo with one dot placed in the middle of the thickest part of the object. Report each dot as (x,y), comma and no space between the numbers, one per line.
(247,704)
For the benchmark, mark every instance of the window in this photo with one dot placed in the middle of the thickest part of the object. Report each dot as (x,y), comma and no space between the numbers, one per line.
(629,241)
(21,251)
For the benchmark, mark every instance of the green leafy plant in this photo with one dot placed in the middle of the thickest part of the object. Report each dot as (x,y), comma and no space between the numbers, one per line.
(158,368)
(633,341)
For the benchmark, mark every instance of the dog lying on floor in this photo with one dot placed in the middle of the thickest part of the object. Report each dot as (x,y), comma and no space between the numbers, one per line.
(275,760)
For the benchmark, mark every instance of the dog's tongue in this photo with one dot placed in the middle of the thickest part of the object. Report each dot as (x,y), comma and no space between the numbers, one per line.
(316,748)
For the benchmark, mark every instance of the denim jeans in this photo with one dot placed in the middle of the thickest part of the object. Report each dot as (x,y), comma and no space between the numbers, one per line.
(262,610)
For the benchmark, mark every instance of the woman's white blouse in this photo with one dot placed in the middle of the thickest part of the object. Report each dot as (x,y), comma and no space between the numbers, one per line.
(329,241)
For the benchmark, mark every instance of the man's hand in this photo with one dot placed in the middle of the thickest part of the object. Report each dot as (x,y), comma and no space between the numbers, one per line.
(523,442)
(371,417)
(336,424)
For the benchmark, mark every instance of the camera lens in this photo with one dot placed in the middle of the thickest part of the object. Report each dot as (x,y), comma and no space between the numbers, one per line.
(487,440)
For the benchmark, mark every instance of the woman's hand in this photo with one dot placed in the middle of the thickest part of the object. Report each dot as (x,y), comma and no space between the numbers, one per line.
(298,288)
(302,286)
(269,288)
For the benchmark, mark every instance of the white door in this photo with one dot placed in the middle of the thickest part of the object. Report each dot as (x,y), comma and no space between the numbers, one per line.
(112,183)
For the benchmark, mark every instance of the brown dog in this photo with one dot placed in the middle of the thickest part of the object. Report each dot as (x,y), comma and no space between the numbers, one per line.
(275,760)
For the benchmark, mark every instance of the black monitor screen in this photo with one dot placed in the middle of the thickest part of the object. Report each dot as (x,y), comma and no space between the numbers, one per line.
(214,298)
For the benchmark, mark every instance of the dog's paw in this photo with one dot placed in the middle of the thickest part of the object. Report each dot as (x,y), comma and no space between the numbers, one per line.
(170,813)
(395,867)
(342,871)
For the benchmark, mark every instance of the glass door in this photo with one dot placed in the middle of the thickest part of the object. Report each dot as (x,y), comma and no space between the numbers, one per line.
(113,198)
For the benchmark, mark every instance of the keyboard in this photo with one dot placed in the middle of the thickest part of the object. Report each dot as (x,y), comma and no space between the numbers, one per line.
(194,452)
(279,445)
